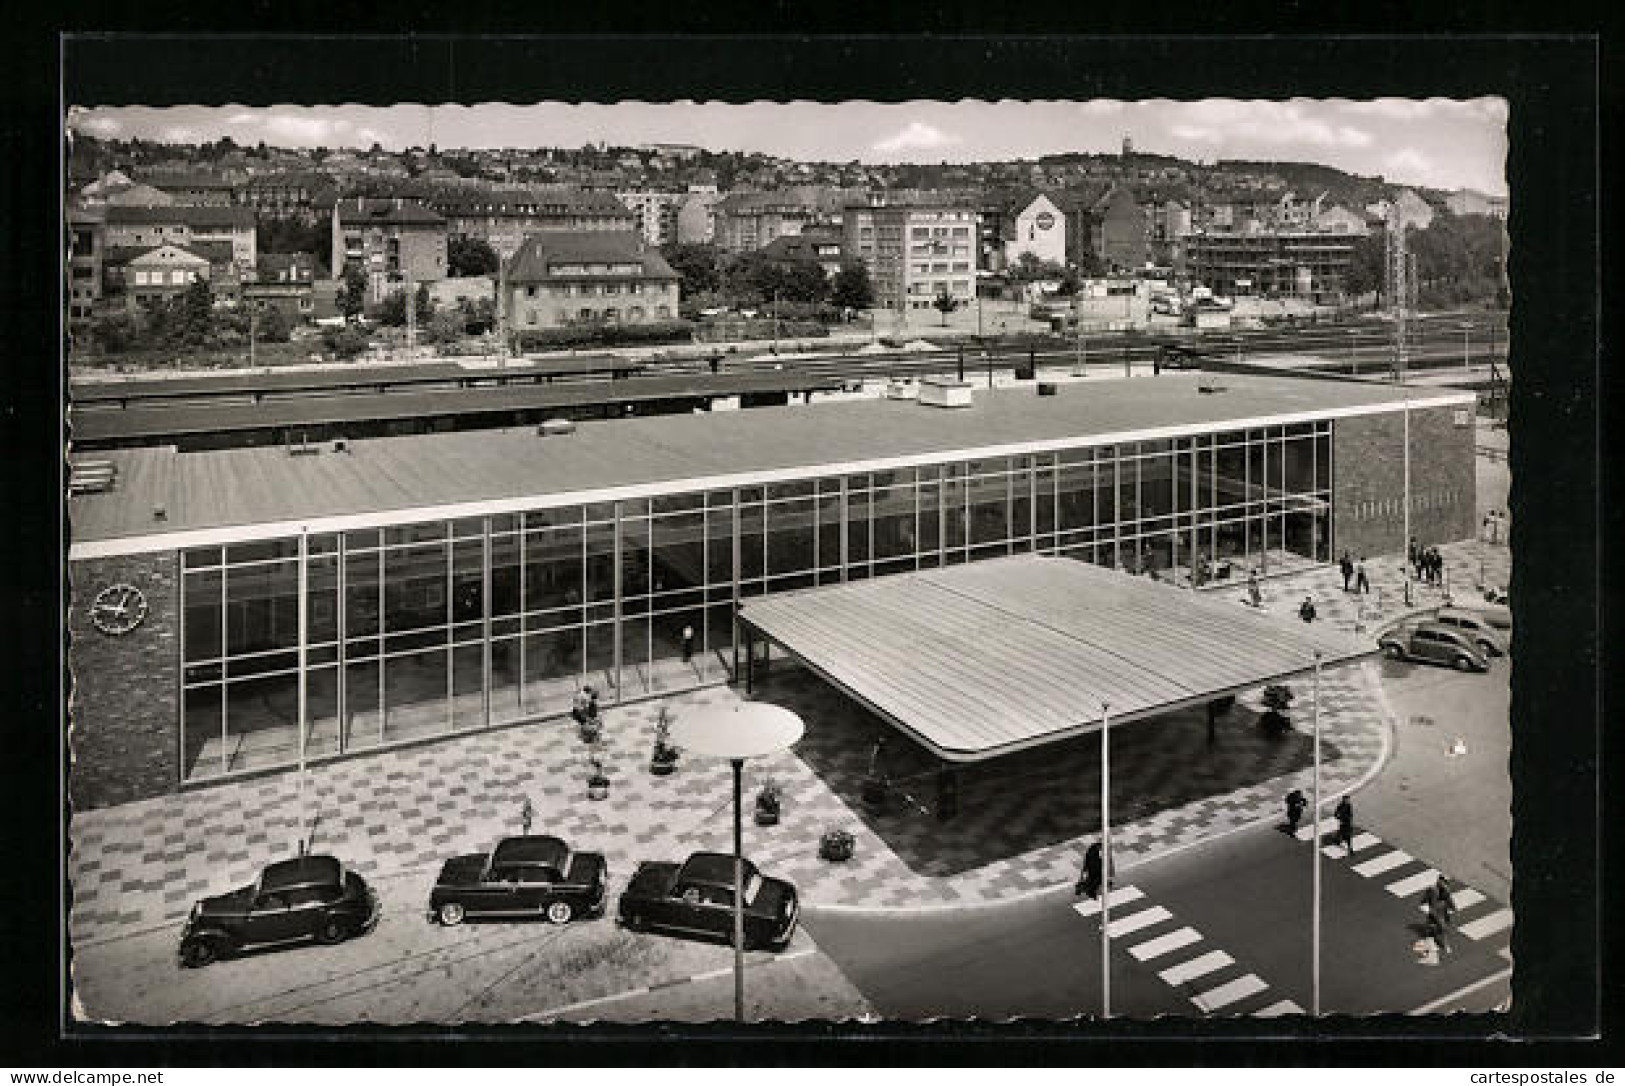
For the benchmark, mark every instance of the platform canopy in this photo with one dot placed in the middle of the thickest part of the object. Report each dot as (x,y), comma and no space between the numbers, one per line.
(983,659)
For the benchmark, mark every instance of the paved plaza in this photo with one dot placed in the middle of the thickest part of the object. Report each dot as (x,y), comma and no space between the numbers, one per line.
(1020,828)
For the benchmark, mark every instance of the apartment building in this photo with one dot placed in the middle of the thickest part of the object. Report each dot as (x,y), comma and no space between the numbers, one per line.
(395,242)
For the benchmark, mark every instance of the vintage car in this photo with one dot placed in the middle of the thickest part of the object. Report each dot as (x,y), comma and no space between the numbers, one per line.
(311,897)
(697,896)
(1434,643)
(1476,625)
(522,877)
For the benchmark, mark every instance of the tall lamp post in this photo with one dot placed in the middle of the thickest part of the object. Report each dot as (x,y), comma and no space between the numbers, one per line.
(737,731)
(1105,860)
(1466,329)
(1314,822)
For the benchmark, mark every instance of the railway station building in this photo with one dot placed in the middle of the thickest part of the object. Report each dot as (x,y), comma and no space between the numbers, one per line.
(235,610)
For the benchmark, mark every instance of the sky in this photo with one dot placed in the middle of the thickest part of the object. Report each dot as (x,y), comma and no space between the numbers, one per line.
(1439,143)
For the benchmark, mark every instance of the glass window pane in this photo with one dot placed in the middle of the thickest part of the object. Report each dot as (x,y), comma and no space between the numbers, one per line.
(415,695)
(203,615)
(415,587)
(262,607)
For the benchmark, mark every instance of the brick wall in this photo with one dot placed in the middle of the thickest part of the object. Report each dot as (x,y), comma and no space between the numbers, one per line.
(124,714)
(1369,459)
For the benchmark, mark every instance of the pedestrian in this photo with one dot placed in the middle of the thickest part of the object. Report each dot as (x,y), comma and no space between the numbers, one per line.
(688,643)
(592,703)
(526,813)
(1345,825)
(1346,564)
(1413,555)
(1089,880)
(1441,907)
(1306,610)
(1295,803)
(1438,566)
(1254,596)
(1362,583)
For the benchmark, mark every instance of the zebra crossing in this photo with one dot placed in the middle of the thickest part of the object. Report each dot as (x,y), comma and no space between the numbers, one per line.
(1210,978)
(1477,917)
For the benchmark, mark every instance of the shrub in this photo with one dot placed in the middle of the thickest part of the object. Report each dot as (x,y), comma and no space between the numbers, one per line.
(603,335)
(344,341)
(837,846)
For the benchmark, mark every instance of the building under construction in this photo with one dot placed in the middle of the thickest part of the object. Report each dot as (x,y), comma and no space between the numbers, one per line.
(1298,263)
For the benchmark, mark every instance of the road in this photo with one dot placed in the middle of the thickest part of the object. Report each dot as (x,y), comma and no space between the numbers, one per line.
(1220,929)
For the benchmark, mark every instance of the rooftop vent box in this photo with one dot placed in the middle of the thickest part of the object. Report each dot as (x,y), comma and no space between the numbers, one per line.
(555,427)
(945,392)
(1208,383)
(1047,388)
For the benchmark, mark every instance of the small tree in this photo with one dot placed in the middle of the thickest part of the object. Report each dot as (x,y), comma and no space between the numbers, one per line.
(446,326)
(352,297)
(344,342)
(852,288)
(945,304)
(392,310)
(470,256)
(1277,700)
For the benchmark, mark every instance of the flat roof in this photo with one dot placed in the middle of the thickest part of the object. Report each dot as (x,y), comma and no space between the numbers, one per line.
(257,493)
(338,408)
(359,376)
(988,658)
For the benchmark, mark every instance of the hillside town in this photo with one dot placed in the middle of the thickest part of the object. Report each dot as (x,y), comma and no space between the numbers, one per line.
(277,254)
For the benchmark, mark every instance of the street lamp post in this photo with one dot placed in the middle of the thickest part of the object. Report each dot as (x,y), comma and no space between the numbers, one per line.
(1314,823)
(1466,328)
(737,731)
(1105,860)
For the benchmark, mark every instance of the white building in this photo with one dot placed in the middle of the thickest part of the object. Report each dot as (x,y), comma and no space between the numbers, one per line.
(1040,230)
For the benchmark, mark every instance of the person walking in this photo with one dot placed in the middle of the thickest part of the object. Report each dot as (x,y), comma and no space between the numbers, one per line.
(1362,583)
(1344,834)
(1089,880)
(688,644)
(1306,609)
(1295,804)
(1254,596)
(1346,565)
(1441,908)
(1413,555)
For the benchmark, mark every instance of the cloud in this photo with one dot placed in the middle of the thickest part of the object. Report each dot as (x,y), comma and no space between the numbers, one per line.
(180,134)
(917,137)
(242,117)
(303,130)
(100,124)
(1268,123)
(1493,110)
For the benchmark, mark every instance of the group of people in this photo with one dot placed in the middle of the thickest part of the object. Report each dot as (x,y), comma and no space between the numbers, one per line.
(1438,900)
(1354,575)
(1426,562)
(1495,526)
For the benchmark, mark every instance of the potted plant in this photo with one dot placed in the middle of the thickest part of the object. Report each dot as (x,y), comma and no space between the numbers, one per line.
(598,782)
(836,846)
(585,713)
(664,758)
(768,803)
(1277,700)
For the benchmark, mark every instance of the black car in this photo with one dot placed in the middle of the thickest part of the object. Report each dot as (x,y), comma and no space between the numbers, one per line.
(523,876)
(312,897)
(697,897)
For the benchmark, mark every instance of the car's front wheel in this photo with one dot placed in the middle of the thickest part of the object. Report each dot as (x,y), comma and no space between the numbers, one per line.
(560,912)
(333,930)
(1463,663)
(451,914)
(634,921)
(1393,651)
(198,953)
(1487,648)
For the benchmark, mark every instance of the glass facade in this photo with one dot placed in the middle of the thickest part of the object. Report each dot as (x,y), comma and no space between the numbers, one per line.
(434,628)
